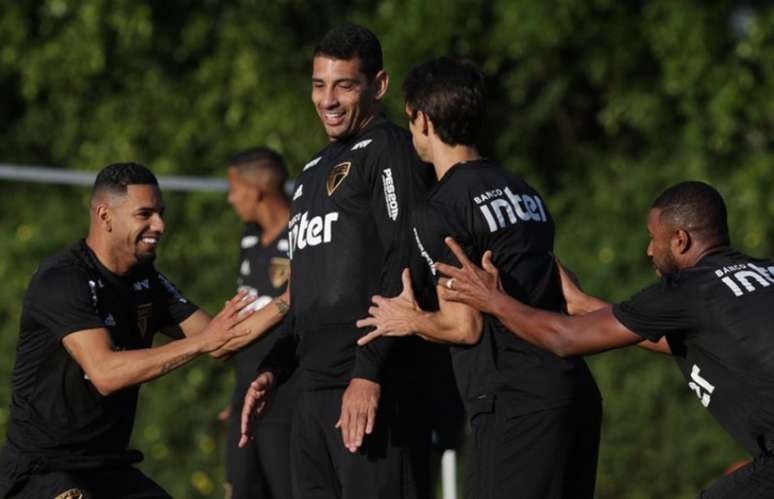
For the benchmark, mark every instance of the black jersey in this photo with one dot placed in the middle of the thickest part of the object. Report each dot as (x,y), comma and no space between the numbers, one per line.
(263,272)
(56,412)
(350,239)
(484,207)
(717,317)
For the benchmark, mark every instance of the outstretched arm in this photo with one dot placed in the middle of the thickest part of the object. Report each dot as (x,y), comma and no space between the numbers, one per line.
(401,316)
(111,370)
(593,332)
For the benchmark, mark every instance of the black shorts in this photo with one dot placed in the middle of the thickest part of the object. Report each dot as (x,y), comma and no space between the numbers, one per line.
(753,481)
(391,464)
(549,454)
(114,483)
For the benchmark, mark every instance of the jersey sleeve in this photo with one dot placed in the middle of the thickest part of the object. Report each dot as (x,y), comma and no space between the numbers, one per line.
(656,311)
(177,307)
(395,184)
(64,300)
(282,359)
(430,227)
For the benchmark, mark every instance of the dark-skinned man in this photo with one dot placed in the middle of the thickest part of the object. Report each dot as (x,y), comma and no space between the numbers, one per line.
(712,310)
(257,179)
(85,346)
(353,435)
(535,416)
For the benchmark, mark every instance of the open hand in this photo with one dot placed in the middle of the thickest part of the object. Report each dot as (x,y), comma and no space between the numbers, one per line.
(470,284)
(391,316)
(225,326)
(257,399)
(358,412)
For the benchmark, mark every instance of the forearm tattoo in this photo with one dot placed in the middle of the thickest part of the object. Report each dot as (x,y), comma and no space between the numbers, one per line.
(177,362)
(282,306)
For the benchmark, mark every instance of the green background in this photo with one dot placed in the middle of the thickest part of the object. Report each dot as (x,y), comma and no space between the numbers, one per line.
(599,104)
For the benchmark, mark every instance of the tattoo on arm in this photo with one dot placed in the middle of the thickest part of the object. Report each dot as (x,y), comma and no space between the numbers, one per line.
(282,306)
(177,362)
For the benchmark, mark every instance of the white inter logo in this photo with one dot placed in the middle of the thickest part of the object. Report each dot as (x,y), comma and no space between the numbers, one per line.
(701,387)
(502,208)
(742,278)
(305,231)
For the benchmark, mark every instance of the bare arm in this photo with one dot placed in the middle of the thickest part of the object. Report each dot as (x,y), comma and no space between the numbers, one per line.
(111,370)
(401,316)
(592,332)
(257,325)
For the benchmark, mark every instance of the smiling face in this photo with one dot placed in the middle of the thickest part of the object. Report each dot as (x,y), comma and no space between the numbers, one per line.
(136,224)
(660,245)
(343,97)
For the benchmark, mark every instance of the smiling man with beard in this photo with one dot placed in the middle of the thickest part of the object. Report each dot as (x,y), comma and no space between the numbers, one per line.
(85,346)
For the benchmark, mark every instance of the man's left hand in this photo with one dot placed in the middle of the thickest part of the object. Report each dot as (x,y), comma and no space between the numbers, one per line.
(358,412)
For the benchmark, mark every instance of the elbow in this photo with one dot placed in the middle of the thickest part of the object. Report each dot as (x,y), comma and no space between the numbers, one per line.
(470,332)
(560,342)
(103,385)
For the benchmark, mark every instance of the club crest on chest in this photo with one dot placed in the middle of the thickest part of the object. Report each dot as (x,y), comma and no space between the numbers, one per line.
(337,176)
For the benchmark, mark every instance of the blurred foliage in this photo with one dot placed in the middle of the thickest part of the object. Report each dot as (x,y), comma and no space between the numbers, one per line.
(599,104)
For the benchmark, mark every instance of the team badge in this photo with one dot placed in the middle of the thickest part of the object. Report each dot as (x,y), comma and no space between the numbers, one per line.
(337,176)
(144,313)
(279,271)
(70,494)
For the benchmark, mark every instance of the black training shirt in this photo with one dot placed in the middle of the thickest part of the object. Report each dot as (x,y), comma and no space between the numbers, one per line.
(56,412)
(717,317)
(350,239)
(484,207)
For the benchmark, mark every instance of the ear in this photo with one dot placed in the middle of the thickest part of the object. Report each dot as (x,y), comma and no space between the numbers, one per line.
(681,242)
(381,83)
(104,217)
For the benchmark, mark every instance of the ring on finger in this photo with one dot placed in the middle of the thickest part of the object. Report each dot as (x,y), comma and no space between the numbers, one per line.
(450,283)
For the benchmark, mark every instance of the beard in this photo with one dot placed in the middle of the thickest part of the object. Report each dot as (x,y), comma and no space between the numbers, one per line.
(665,265)
(145,257)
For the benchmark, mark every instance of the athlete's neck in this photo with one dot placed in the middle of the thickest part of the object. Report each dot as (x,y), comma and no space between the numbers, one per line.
(272,217)
(107,256)
(446,156)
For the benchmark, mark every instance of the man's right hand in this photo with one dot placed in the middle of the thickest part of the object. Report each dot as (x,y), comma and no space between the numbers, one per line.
(225,326)
(257,399)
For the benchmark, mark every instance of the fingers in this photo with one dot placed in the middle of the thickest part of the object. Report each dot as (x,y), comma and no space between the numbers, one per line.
(367,322)
(458,252)
(408,290)
(371,420)
(357,431)
(486,263)
(364,340)
(343,425)
(450,271)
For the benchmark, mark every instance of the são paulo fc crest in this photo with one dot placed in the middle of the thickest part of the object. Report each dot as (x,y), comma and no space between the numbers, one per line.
(337,176)
(144,313)
(279,271)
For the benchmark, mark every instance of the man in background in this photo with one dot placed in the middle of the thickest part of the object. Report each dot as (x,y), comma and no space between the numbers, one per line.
(257,180)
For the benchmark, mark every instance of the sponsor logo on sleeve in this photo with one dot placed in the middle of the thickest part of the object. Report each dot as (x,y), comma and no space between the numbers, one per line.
(337,176)
(390,197)
(361,145)
(423,251)
(249,241)
(312,163)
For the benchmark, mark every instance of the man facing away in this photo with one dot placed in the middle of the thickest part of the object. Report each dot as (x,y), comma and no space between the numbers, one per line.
(534,416)
(353,435)
(85,346)
(257,179)
(711,310)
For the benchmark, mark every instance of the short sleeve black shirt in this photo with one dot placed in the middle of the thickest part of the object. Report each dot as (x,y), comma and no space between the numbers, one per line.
(55,410)
(717,319)
(484,207)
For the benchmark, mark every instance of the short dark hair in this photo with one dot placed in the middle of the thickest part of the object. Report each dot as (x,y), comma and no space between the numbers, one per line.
(262,161)
(115,178)
(451,93)
(347,41)
(695,207)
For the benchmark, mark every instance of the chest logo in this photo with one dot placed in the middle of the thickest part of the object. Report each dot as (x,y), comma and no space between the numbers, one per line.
(337,176)
(279,271)
(144,313)
(701,387)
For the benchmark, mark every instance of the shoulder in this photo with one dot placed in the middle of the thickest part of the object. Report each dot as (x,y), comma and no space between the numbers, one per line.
(384,139)
(63,270)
